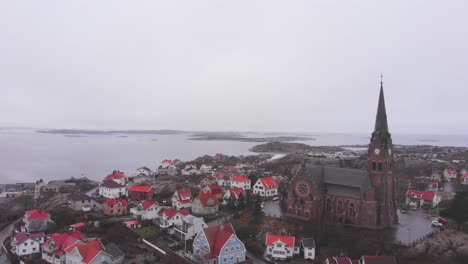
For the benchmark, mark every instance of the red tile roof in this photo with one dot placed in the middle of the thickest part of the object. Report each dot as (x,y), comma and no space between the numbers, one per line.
(147,204)
(464,176)
(88,250)
(36,215)
(425,195)
(215,188)
(22,236)
(288,240)
(379,259)
(236,192)
(184,195)
(140,188)
(451,171)
(112,202)
(240,178)
(206,197)
(268,183)
(132,222)
(78,225)
(218,236)
(116,175)
(170,213)
(219,175)
(62,241)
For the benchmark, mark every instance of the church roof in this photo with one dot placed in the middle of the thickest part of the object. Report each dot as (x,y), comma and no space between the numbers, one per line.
(381,124)
(344,191)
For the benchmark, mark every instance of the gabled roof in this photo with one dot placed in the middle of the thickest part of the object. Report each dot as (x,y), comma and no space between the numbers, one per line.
(116,175)
(112,202)
(425,195)
(140,188)
(184,195)
(132,222)
(308,242)
(289,241)
(241,178)
(379,259)
(111,184)
(217,237)
(268,183)
(145,168)
(62,241)
(34,214)
(88,250)
(147,204)
(170,212)
(78,197)
(205,199)
(78,225)
(464,176)
(237,192)
(215,188)
(114,251)
(22,237)
(451,171)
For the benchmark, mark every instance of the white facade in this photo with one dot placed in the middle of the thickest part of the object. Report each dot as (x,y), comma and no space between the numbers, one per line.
(259,189)
(148,214)
(246,185)
(205,168)
(188,172)
(27,247)
(279,250)
(190,227)
(165,222)
(112,193)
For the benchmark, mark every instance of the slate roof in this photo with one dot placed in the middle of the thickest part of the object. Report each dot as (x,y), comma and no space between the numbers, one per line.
(308,242)
(78,197)
(111,184)
(113,250)
(344,191)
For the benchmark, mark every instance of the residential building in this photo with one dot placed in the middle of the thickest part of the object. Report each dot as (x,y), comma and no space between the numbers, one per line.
(190,227)
(436,176)
(222,179)
(143,170)
(111,189)
(35,221)
(464,179)
(118,177)
(450,173)
(377,260)
(169,217)
(113,207)
(182,198)
(214,189)
(420,198)
(27,243)
(433,186)
(168,167)
(219,157)
(308,246)
(140,192)
(281,247)
(218,244)
(53,249)
(241,181)
(190,169)
(205,204)
(234,193)
(133,224)
(205,168)
(266,187)
(146,210)
(81,201)
(93,251)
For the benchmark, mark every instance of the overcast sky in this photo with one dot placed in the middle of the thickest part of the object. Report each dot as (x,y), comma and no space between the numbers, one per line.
(234,65)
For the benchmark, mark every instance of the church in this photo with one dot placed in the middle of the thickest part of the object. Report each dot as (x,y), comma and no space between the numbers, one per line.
(356,197)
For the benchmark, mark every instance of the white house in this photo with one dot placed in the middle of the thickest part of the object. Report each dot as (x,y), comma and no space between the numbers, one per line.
(93,251)
(464,179)
(190,171)
(205,168)
(111,189)
(450,173)
(241,181)
(117,176)
(146,210)
(190,227)
(182,198)
(170,217)
(308,246)
(143,170)
(221,179)
(26,243)
(281,247)
(419,198)
(266,187)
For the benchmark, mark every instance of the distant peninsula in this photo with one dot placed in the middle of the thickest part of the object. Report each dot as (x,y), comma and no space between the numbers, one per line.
(288,147)
(232,136)
(110,132)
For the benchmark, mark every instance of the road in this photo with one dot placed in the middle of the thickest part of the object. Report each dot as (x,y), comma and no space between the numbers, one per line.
(3,235)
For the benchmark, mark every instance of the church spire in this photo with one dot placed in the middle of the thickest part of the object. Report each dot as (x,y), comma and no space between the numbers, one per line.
(381,124)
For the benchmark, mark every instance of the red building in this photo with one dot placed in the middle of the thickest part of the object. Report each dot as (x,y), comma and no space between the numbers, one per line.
(141,192)
(358,197)
(115,207)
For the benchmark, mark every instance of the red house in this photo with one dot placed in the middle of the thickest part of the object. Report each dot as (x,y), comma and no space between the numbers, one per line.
(115,207)
(140,192)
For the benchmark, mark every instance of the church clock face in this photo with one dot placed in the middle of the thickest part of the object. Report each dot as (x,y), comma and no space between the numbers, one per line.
(302,189)
(377,151)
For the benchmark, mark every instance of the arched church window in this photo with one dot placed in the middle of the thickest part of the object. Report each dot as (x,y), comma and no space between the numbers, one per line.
(329,206)
(374,166)
(380,166)
(340,207)
(352,210)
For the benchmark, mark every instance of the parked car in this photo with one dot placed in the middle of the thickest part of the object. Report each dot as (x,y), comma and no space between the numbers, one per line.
(436,223)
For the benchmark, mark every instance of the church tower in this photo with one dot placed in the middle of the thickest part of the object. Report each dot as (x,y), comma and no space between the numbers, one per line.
(381,167)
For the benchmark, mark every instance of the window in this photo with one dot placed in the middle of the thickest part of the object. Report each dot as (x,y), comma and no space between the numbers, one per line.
(351,209)
(34,249)
(232,248)
(231,258)
(374,166)
(380,166)
(329,207)
(340,207)
(24,250)
(238,247)
(224,259)
(226,249)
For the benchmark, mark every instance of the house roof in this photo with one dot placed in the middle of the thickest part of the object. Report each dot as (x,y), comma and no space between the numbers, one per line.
(78,225)
(379,259)
(116,175)
(215,188)
(451,171)
(145,168)
(113,250)
(308,242)
(88,250)
(78,197)
(23,236)
(288,240)
(111,184)
(184,195)
(140,188)
(342,260)
(236,191)
(464,176)
(147,204)
(205,199)
(170,212)
(132,222)
(425,195)
(219,175)
(112,202)
(36,215)
(268,182)
(240,178)
(62,241)
(217,236)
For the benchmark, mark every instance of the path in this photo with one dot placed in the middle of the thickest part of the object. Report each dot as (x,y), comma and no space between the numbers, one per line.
(3,235)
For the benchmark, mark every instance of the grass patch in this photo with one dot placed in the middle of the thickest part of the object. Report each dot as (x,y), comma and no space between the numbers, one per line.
(148,231)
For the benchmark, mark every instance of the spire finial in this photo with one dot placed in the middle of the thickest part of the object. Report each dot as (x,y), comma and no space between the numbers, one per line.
(381,79)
